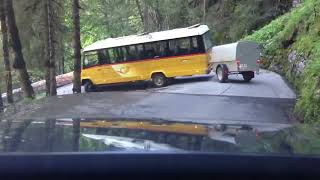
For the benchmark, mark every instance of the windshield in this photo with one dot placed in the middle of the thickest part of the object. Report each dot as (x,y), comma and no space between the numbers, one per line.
(169,76)
(207,38)
(90,59)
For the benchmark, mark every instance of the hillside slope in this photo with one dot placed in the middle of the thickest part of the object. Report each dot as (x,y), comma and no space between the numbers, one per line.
(292,48)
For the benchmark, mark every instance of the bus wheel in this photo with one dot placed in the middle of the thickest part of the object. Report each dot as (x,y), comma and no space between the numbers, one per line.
(88,87)
(222,74)
(159,80)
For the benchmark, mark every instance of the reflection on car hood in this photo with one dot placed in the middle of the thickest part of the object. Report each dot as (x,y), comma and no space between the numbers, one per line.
(92,135)
(130,143)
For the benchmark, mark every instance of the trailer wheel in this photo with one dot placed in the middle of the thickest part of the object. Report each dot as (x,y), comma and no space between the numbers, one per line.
(222,73)
(247,76)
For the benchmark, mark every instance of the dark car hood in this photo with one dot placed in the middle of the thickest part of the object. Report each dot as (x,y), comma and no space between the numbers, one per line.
(128,135)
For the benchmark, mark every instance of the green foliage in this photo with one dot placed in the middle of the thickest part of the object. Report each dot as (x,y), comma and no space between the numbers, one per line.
(267,33)
(301,139)
(268,37)
(297,31)
(309,103)
(103,19)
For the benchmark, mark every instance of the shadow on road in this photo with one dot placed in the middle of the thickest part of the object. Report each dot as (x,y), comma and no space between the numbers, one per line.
(124,87)
(237,81)
(186,80)
(147,85)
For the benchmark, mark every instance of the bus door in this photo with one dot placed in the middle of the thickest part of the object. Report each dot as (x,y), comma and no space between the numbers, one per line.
(186,61)
(190,56)
(123,67)
(105,72)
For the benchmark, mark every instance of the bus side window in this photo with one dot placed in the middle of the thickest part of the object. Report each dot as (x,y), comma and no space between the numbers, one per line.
(194,45)
(156,50)
(132,53)
(112,55)
(183,46)
(173,47)
(166,49)
(140,51)
(118,55)
(163,49)
(103,57)
(125,55)
(149,52)
(160,49)
(201,45)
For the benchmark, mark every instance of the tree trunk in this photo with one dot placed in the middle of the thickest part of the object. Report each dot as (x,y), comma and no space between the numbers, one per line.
(145,16)
(47,46)
(52,63)
(1,101)
(18,63)
(58,68)
(159,16)
(62,64)
(204,11)
(77,47)
(6,60)
(61,54)
(140,11)
(50,126)
(76,134)
(16,134)
(6,130)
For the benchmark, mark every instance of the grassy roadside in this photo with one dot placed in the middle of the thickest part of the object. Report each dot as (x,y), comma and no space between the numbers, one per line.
(292,48)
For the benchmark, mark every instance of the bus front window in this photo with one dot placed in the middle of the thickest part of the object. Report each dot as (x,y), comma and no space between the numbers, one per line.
(207,39)
(90,59)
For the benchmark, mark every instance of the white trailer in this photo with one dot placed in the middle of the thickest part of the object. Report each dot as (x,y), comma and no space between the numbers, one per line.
(237,58)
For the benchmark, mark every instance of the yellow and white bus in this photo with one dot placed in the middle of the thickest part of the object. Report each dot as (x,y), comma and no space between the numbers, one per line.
(158,56)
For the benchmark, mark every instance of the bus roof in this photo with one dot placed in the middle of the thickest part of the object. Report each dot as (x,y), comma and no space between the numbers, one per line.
(150,37)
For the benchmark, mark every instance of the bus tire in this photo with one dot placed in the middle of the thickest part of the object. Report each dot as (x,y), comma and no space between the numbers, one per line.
(159,80)
(88,86)
(222,73)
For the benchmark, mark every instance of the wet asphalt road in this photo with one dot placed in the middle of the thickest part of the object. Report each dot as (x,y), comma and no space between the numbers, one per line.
(266,100)
(179,107)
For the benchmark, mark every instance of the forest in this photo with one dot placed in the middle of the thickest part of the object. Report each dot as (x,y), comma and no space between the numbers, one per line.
(43,38)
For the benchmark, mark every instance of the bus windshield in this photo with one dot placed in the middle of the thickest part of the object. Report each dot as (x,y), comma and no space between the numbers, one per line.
(207,38)
(90,59)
